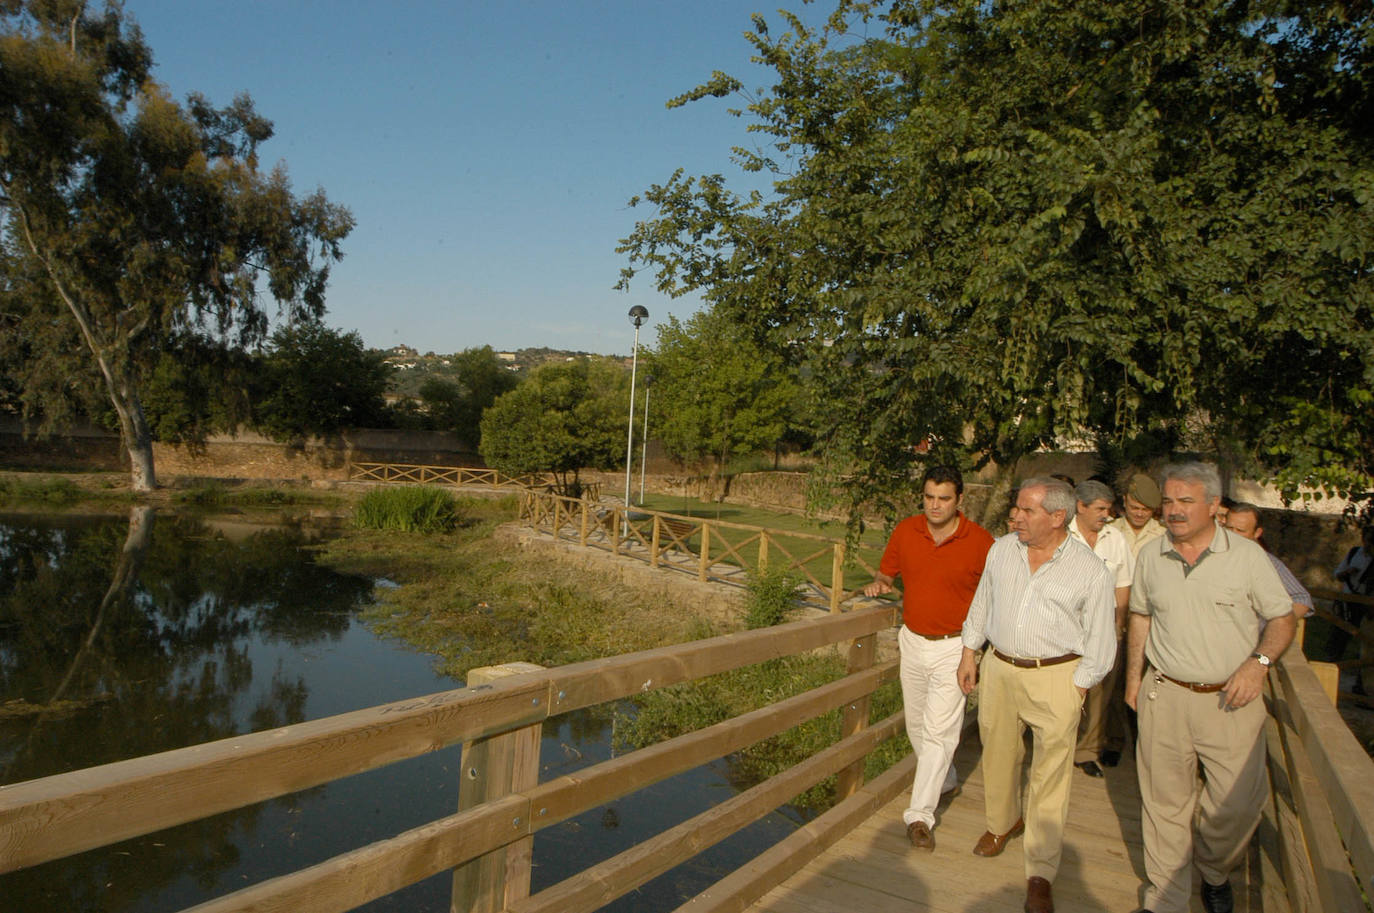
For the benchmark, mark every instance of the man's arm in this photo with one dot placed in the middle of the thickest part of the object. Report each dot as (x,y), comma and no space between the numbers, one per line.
(881,584)
(1123,601)
(1247,681)
(968,670)
(1138,629)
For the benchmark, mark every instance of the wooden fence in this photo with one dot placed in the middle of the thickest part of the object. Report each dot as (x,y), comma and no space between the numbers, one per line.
(486,841)
(708,549)
(419,474)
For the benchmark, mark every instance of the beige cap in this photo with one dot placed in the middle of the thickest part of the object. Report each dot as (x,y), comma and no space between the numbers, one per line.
(1144,490)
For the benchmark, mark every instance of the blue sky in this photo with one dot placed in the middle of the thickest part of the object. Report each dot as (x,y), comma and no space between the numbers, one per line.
(487,150)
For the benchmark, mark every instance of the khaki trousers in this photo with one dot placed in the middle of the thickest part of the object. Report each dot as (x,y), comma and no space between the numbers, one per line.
(1104,713)
(1045,700)
(1179,729)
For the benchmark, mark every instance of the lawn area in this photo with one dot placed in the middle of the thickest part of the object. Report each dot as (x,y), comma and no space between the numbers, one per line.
(782,523)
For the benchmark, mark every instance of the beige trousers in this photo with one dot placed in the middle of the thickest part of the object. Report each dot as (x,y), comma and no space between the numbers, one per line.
(1179,729)
(1104,713)
(1045,700)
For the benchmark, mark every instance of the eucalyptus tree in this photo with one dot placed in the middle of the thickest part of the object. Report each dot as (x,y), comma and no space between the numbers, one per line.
(128,217)
(992,227)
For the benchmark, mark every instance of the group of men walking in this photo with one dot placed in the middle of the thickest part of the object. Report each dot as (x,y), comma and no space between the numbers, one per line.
(1049,621)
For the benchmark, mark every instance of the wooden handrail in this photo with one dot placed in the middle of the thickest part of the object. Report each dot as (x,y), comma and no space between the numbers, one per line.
(68,813)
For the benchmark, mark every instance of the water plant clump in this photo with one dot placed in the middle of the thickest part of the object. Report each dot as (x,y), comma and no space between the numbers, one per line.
(408,508)
(770,596)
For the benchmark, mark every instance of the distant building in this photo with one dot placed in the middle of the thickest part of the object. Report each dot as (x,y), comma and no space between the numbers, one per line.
(506,356)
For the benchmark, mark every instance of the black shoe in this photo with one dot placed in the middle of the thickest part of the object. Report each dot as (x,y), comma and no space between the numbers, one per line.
(1110,757)
(1090,768)
(1216,898)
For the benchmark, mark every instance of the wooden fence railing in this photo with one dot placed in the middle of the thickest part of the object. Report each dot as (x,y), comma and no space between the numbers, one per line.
(709,549)
(486,842)
(420,474)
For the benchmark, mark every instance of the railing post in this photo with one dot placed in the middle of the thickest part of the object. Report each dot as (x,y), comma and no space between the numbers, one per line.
(586,521)
(493,767)
(836,576)
(854,716)
(653,547)
(763,551)
(556,502)
(618,530)
(705,563)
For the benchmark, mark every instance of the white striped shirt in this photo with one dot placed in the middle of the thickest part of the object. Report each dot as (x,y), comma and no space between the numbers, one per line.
(1067,606)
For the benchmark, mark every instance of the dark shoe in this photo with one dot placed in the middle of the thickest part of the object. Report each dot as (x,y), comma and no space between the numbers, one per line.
(991,844)
(1090,768)
(1110,757)
(918,832)
(1038,899)
(1216,898)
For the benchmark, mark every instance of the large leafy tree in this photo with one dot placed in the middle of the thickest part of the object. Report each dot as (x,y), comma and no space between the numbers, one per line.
(478,378)
(129,218)
(314,380)
(716,393)
(564,418)
(997,226)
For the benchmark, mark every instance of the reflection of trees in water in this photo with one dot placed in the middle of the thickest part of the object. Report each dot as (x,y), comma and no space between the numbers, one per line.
(129,639)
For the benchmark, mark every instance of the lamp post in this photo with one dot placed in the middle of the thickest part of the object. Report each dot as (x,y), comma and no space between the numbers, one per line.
(638,314)
(644,439)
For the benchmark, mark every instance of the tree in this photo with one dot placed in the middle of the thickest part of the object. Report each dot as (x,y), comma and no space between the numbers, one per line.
(128,218)
(565,417)
(994,227)
(318,381)
(716,393)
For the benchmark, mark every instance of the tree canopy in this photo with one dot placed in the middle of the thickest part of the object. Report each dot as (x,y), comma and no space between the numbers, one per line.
(127,218)
(715,393)
(993,227)
(561,419)
(317,381)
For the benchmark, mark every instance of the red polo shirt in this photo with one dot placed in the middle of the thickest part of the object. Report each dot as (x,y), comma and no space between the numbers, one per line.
(937,580)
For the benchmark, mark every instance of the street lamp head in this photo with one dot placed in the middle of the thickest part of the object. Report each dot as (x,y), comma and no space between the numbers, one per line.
(638,314)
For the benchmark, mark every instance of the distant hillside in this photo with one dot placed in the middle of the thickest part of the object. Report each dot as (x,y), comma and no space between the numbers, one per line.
(412,367)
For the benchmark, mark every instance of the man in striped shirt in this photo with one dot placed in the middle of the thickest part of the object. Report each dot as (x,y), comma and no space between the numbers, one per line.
(1045,605)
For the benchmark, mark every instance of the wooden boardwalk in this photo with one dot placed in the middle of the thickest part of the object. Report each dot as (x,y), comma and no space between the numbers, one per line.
(873,869)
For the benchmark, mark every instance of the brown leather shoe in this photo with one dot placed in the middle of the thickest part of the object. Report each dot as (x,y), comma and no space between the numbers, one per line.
(991,844)
(918,832)
(1038,899)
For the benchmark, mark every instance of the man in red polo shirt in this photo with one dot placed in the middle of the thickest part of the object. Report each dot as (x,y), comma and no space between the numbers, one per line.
(939,557)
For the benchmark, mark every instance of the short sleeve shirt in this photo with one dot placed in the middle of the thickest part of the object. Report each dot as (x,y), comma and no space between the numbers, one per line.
(937,580)
(1114,551)
(1205,620)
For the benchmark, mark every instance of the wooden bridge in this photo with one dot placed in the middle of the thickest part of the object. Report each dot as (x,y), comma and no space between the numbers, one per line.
(1314,850)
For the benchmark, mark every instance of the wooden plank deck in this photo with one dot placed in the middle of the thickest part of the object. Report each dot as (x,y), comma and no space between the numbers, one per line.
(873,868)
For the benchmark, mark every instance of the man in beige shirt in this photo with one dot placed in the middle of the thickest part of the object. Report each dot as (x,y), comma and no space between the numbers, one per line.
(1137,520)
(1208,618)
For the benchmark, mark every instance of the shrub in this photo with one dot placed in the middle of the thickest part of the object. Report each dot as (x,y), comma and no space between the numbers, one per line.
(769,596)
(409,508)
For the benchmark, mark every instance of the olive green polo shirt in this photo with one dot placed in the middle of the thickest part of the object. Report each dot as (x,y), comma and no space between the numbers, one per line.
(1205,620)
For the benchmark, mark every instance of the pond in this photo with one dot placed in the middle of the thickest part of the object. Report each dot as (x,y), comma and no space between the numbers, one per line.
(127,635)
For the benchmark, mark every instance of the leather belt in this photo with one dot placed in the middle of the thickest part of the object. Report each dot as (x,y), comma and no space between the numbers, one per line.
(1034,663)
(937,636)
(1199,687)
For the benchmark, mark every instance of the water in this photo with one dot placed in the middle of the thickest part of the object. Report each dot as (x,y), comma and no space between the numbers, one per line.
(145,633)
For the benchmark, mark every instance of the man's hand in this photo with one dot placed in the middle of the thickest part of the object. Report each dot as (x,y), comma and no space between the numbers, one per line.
(1244,685)
(1132,690)
(1082,692)
(878,588)
(968,671)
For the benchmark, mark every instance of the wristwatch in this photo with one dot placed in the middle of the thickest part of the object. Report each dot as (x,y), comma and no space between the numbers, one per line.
(1264,661)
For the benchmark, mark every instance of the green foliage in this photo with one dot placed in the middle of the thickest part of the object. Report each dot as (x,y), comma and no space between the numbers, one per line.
(770,597)
(995,227)
(196,387)
(316,381)
(407,508)
(457,405)
(715,392)
(564,418)
(127,218)
(52,491)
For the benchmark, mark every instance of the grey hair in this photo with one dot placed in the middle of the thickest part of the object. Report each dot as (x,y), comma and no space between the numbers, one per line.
(1194,473)
(1058,495)
(1245,507)
(1092,490)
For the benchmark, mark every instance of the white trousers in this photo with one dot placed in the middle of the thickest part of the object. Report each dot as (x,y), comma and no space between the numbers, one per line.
(934,708)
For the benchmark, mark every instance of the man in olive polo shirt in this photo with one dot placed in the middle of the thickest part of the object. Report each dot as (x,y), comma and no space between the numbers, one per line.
(939,558)
(1208,617)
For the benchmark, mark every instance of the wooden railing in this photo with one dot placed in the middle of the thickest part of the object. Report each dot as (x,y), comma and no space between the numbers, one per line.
(486,842)
(419,474)
(708,549)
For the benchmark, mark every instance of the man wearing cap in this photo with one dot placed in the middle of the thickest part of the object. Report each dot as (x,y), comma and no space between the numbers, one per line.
(1137,520)
(939,558)
(1208,618)
(1045,606)
(1100,711)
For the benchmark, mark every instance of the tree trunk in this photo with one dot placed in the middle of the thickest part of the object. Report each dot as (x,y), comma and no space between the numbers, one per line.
(993,516)
(137,439)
